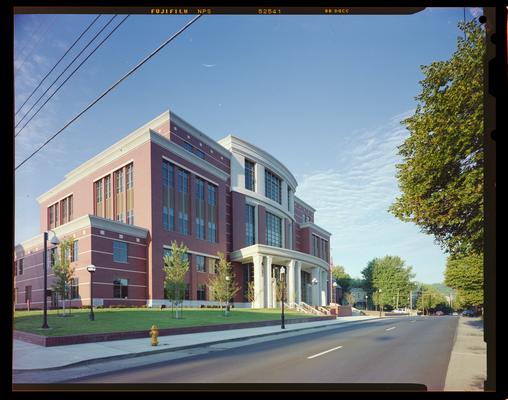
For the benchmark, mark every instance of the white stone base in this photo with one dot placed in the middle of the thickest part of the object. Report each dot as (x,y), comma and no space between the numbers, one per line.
(155,303)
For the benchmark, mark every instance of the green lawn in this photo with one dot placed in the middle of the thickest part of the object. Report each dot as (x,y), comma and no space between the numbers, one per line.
(136,319)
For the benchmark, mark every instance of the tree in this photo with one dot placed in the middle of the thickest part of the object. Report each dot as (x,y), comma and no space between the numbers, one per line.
(223,286)
(391,275)
(465,274)
(341,277)
(176,265)
(251,294)
(429,298)
(350,298)
(63,271)
(441,175)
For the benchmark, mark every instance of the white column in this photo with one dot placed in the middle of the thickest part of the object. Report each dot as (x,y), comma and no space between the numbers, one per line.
(323,287)
(291,281)
(258,282)
(298,274)
(315,288)
(284,197)
(268,282)
(259,171)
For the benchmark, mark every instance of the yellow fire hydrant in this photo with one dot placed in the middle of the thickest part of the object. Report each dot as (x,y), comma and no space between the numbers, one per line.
(154,332)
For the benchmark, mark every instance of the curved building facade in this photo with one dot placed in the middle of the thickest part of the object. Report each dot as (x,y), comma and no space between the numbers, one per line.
(169,181)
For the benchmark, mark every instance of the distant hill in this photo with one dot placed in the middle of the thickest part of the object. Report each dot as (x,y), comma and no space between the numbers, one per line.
(442,288)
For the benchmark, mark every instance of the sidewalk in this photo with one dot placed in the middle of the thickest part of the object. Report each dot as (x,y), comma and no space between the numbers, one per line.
(28,356)
(467,369)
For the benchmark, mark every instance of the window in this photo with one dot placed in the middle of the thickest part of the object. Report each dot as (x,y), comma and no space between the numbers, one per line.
(289,199)
(52,256)
(28,293)
(70,208)
(74,254)
(183,213)
(51,217)
(20,266)
(188,146)
(187,291)
(200,209)
(120,288)
(107,196)
(250,182)
(63,207)
(200,263)
(273,186)
(212,213)
(250,238)
(57,214)
(211,265)
(130,194)
(201,292)
(273,230)
(74,288)
(120,197)
(199,153)
(98,199)
(119,251)
(290,235)
(315,246)
(168,202)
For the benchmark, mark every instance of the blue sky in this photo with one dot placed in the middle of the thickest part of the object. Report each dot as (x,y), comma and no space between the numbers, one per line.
(323,94)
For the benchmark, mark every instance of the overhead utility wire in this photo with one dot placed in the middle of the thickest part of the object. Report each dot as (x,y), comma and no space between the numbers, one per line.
(111,88)
(72,73)
(66,68)
(58,62)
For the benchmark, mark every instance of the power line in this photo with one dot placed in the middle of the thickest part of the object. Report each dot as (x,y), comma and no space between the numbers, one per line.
(71,74)
(58,77)
(35,44)
(112,87)
(58,62)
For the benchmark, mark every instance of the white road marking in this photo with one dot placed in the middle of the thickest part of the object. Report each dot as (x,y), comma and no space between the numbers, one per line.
(389,329)
(324,352)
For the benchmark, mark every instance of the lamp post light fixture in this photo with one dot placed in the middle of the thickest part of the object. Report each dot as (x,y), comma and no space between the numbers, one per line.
(91,269)
(283,280)
(55,242)
(366,302)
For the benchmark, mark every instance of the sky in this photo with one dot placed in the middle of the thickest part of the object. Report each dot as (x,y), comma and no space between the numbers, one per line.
(323,94)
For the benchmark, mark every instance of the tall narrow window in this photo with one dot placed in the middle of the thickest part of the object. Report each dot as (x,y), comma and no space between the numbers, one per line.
(120,251)
(120,288)
(200,263)
(130,194)
(183,213)
(120,196)
(107,197)
(98,199)
(212,213)
(51,217)
(250,238)
(20,266)
(70,208)
(289,199)
(250,182)
(201,294)
(63,207)
(28,293)
(273,230)
(273,186)
(200,209)
(290,235)
(168,202)
(74,253)
(74,288)
(57,214)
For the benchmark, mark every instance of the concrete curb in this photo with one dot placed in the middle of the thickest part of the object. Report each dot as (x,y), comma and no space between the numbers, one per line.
(167,350)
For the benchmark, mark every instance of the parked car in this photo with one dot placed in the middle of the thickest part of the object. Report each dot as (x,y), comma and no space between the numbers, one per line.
(455,313)
(439,313)
(468,313)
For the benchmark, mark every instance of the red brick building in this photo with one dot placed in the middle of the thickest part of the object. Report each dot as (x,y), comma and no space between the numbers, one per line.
(168,181)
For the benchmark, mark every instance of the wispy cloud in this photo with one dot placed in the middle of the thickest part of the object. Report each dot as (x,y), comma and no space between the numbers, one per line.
(208,65)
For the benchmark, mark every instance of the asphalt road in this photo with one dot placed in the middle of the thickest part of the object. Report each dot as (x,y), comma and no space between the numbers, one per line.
(397,350)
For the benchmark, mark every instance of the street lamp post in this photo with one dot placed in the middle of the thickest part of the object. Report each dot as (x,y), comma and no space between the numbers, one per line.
(227,292)
(366,302)
(91,269)
(283,279)
(54,241)
(314,283)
